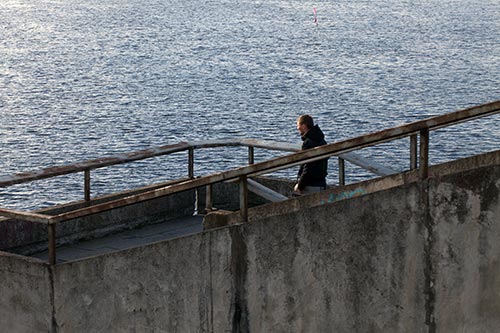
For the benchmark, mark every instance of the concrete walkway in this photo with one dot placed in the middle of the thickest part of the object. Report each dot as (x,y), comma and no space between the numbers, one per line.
(127,239)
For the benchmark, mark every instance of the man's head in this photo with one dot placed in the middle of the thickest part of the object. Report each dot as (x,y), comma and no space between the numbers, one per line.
(304,124)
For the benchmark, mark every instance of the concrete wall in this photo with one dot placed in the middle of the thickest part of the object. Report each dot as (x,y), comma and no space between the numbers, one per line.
(183,285)
(421,257)
(25,295)
(339,266)
(466,251)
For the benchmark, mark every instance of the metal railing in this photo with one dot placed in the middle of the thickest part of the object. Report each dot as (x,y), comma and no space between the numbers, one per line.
(419,158)
(87,166)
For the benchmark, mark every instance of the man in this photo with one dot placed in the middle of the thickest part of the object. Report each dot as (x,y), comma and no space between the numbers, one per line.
(312,176)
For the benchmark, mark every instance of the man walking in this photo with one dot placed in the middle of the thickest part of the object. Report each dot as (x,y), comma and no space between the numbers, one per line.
(312,176)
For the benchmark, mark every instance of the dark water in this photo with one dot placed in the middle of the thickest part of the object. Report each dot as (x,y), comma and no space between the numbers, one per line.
(84,79)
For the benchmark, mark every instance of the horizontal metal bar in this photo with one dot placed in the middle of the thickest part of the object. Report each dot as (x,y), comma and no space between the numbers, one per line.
(457,117)
(265,192)
(360,161)
(167,190)
(91,164)
(26,216)
(86,166)
(352,157)
(271,145)
(123,158)
(213,143)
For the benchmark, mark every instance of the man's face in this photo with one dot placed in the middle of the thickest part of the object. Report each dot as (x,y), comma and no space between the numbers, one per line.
(302,128)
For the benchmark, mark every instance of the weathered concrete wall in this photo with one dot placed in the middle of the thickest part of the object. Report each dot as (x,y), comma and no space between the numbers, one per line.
(465,210)
(351,270)
(184,285)
(354,266)
(421,257)
(25,295)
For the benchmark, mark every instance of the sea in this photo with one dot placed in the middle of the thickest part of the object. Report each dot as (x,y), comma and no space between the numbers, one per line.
(85,79)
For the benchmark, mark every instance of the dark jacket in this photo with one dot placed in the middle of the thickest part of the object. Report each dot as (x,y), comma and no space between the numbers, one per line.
(313,173)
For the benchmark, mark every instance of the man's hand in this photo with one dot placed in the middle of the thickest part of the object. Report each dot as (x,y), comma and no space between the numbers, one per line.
(296,190)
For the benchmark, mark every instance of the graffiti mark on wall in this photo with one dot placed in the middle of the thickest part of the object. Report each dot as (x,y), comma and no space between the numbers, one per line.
(344,195)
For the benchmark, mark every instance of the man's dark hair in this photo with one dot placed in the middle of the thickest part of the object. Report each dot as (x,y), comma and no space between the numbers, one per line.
(307,120)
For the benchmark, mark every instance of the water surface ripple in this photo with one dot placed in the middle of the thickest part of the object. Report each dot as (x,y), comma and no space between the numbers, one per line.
(84,79)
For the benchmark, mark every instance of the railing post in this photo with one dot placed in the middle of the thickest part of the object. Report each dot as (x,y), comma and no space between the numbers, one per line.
(413,152)
(251,155)
(424,154)
(52,242)
(341,172)
(208,198)
(191,163)
(86,185)
(244,198)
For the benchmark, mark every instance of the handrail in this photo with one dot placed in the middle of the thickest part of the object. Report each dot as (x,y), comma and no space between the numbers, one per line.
(430,123)
(26,216)
(123,158)
(115,159)
(291,160)
(421,128)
